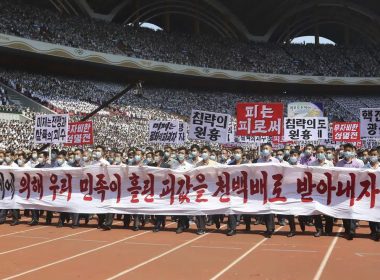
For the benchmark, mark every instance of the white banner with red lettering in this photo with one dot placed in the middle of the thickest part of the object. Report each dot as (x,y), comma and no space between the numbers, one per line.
(244,189)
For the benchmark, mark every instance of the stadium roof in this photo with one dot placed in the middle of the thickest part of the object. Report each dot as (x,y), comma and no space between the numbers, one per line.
(342,21)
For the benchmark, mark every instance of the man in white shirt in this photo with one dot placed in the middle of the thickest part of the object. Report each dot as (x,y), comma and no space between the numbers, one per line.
(321,161)
(183,165)
(104,220)
(206,161)
(8,161)
(266,156)
(373,164)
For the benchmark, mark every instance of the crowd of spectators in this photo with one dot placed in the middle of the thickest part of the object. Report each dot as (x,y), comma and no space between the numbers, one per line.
(125,122)
(20,18)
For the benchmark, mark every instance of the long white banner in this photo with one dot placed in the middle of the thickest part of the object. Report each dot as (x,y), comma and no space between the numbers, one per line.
(244,189)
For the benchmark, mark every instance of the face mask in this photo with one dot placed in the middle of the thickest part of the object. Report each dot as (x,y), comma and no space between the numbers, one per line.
(34,156)
(117,159)
(130,160)
(237,156)
(173,156)
(373,159)
(286,153)
(85,158)
(265,153)
(41,160)
(365,159)
(205,156)
(321,156)
(1,160)
(223,157)
(8,159)
(348,155)
(20,162)
(138,158)
(280,158)
(157,159)
(148,160)
(60,161)
(341,153)
(181,157)
(71,160)
(53,156)
(329,156)
(110,160)
(194,154)
(98,155)
(307,153)
(77,157)
(213,158)
(293,160)
(167,155)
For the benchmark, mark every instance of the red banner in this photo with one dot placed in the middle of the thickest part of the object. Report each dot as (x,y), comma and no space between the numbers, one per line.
(80,133)
(259,119)
(346,132)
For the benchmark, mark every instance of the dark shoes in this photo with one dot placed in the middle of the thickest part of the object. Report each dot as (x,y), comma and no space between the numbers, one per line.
(231,232)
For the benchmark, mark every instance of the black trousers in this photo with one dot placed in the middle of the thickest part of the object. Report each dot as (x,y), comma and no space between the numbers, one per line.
(183,222)
(329,223)
(349,226)
(375,227)
(101,219)
(4,212)
(36,215)
(269,222)
(63,216)
(292,222)
(160,221)
(201,222)
(233,221)
(108,219)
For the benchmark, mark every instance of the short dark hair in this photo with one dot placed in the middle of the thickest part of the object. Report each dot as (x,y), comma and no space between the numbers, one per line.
(349,145)
(266,144)
(206,148)
(195,146)
(160,153)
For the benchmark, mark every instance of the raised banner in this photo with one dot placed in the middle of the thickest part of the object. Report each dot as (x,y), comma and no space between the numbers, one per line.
(259,119)
(306,129)
(346,132)
(305,109)
(80,133)
(51,129)
(370,123)
(165,132)
(209,126)
(245,189)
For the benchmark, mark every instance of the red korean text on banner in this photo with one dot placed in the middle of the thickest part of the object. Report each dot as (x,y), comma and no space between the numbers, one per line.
(259,119)
(346,132)
(80,133)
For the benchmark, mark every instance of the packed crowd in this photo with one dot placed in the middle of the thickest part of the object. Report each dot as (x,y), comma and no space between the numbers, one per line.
(125,122)
(3,97)
(17,17)
(184,159)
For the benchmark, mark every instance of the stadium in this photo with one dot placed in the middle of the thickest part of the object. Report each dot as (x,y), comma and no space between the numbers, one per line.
(134,110)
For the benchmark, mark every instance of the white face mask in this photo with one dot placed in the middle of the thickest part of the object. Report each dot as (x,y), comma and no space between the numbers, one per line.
(41,160)
(60,161)
(98,154)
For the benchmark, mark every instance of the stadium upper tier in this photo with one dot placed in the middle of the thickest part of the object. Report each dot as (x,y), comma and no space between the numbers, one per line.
(207,51)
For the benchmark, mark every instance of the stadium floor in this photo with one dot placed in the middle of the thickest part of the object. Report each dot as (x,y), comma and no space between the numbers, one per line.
(47,252)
